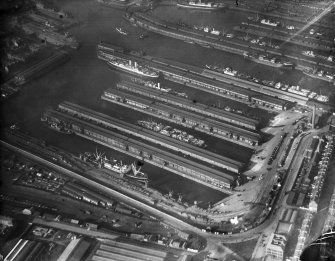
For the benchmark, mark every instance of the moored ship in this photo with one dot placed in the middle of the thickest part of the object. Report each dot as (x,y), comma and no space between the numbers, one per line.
(199,5)
(132,68)
(264,59)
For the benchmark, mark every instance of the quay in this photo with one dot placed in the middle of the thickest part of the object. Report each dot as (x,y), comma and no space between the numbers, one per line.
(178,164)
(221,43)
(221,83)
(285,36)
(83,113)
(42,67)
(211,111)
(194,77)
(244,137)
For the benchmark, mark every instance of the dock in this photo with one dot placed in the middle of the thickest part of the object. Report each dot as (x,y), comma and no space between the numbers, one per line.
(217,113)
(225,131)
(151,136)
(221,180)
(231,88)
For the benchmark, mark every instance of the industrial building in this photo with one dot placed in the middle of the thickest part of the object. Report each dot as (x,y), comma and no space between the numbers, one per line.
(275,246)
(112,250)
(213,127)
(216,113)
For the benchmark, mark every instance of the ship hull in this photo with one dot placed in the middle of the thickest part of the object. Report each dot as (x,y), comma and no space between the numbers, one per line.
(209,8)
(131,72)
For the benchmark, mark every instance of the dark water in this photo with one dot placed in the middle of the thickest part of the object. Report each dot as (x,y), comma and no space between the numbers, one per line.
(84,78)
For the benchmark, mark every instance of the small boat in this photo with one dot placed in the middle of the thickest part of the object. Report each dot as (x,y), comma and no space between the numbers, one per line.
(142,36)
(119,29)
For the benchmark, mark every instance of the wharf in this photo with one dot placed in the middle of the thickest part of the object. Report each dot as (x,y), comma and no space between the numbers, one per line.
(154,137)
(282,16)
(219,180)
(42,67)
(243,137)
(270,91)
(220,114)
(285,36)
(194,78)
(221,43)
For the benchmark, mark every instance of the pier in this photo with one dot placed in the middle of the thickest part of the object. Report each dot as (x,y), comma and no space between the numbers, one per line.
(211,41)
(219,114)
(216,83)
(217,179)
(154,137)
(244,137)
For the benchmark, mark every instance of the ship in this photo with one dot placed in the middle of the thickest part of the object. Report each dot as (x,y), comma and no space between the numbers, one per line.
(116,166)
(321,75)
(172,132)
(132,68)
(102,161)
(119,29)
(269,22)
(199,5)
(137,174)
(308,53)
(58,127)
(230,71)
(264,59)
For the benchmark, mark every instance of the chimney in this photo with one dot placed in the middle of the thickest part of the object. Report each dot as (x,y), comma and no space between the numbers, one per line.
(159,85)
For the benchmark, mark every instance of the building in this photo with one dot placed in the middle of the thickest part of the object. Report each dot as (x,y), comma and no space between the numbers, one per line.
(275,247)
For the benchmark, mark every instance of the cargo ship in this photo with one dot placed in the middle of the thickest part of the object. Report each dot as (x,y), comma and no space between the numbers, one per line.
(199,5)
(102,161)
(321,75)
(264,59)
(132,68)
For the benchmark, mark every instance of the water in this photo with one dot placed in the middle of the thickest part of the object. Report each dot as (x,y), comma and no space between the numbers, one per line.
(84,77)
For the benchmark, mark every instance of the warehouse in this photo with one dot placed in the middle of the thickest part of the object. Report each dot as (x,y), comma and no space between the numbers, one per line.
(173,162)
(188,119)
(217,113)
(188,149)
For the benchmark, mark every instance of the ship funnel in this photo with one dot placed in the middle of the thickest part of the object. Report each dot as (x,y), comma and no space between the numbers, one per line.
(135,64)
(130,62)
